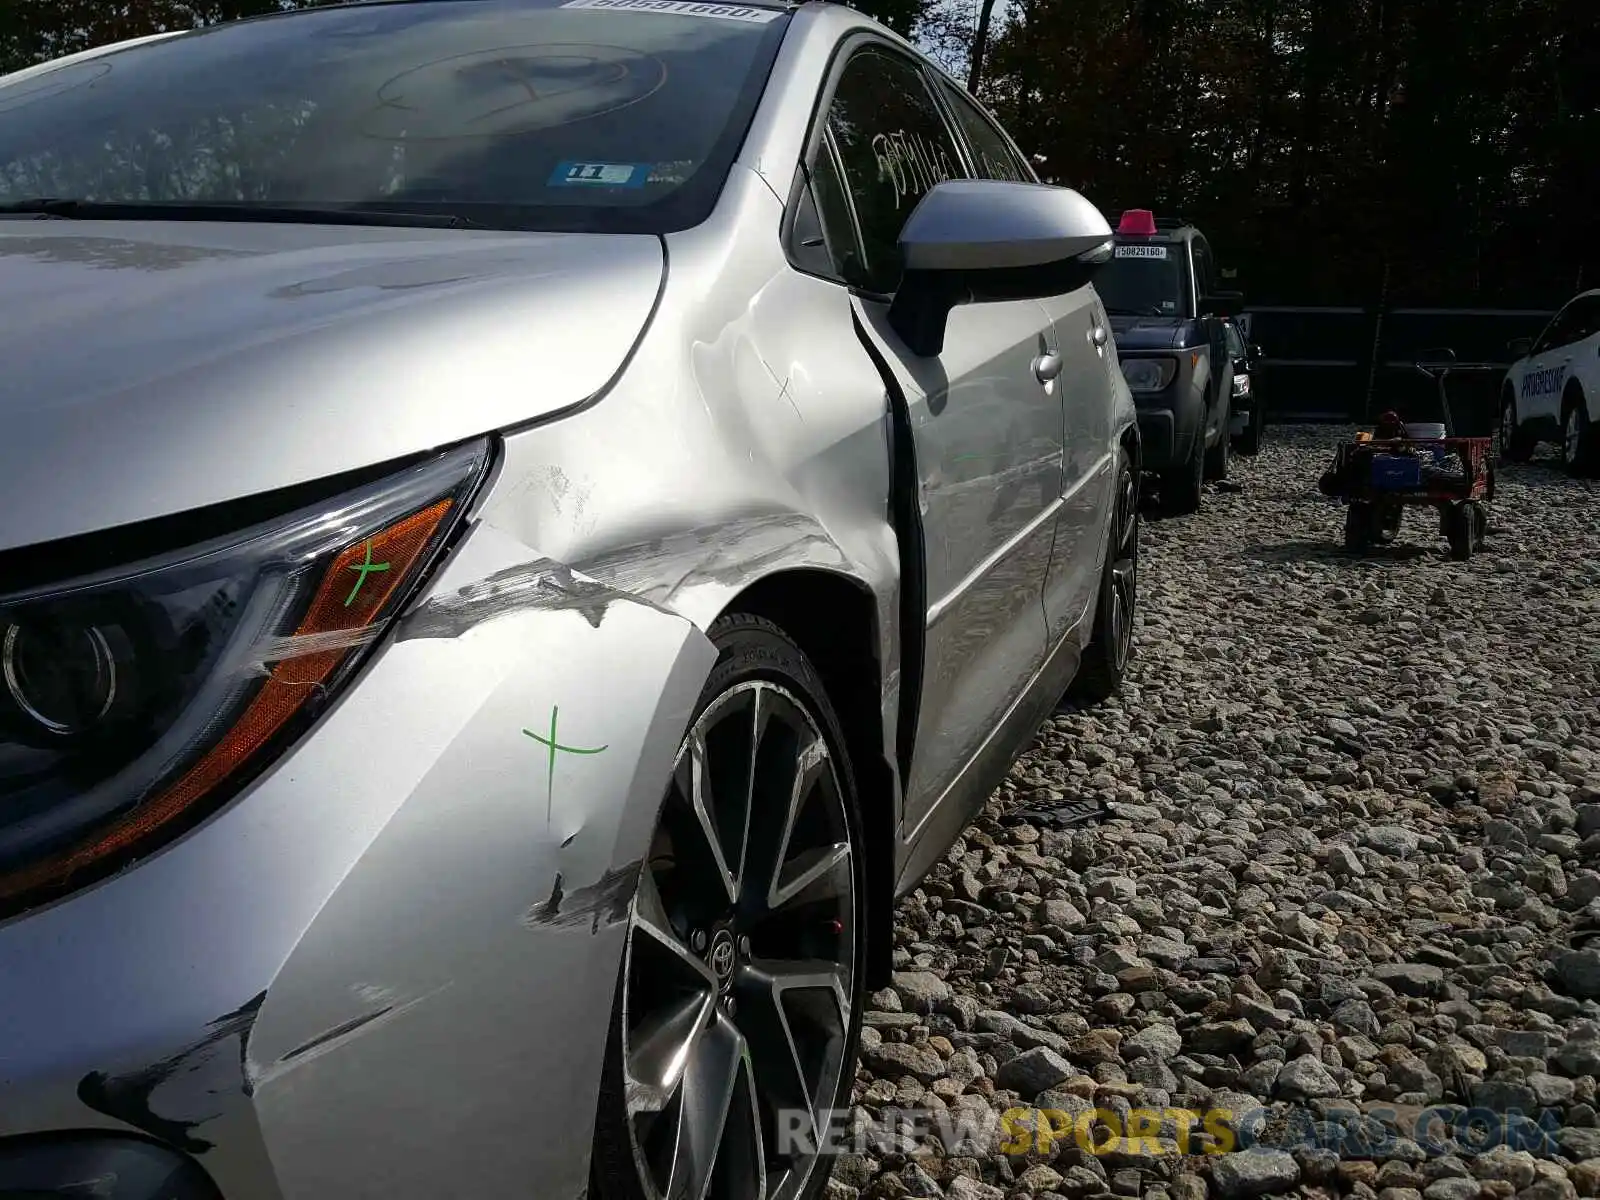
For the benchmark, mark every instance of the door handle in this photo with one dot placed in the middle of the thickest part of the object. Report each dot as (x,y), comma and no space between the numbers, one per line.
(1047,367)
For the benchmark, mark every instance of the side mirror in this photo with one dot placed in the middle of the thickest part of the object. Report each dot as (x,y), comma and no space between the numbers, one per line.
(1520,347)
(1223,304)
(974,240)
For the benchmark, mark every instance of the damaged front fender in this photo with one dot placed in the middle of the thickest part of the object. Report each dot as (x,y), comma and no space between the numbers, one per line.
(388,968)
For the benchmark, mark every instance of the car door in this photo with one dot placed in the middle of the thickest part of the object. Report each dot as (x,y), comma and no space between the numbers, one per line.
(987,429)
(1585,365)
(1544,378)
(1080,336)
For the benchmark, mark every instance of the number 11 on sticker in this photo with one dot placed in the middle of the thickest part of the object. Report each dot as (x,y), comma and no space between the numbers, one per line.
(574,174)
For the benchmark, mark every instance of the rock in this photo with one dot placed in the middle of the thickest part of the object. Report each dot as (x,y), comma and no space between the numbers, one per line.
(1579,1144)
(1220,1037)
(1305,1078)
(1580,1056)
(1039,1178)
(1549,1188)
(962,1188)
(1160,1042)
(890,1060)
(1578,972)
(919,991)
(1254,1172)
(1033,1071)
(1061,913)
(1391,839)
(1411,979)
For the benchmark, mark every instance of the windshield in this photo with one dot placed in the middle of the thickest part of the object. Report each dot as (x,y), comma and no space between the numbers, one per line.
(1144,279)
(592,115)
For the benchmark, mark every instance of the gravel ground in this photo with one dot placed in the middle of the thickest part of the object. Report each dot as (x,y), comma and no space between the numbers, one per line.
(1349,874)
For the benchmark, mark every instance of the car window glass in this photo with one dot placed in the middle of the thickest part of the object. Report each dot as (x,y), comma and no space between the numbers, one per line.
(838,223)
(992,155)
(1202,267)
(1543,341)
(1556,333)
(894,146)
(524,114)
(1589,323)
(1235,342)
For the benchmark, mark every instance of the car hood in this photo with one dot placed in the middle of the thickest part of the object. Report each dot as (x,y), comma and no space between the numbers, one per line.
(149,368)
(1153,333)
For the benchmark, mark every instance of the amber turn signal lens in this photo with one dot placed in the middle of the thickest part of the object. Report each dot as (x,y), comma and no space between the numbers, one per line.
(355,589)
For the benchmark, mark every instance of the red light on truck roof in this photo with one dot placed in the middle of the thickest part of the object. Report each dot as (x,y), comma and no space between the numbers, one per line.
(1138,222)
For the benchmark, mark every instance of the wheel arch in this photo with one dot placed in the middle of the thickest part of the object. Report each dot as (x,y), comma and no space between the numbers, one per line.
(1132,446)
(1571,397)
(833,618)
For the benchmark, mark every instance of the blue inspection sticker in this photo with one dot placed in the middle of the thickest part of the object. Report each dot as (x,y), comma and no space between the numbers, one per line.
(600,174)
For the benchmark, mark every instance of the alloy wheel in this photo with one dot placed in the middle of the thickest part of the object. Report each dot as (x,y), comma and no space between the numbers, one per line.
(741,957)
(1572,436)
(1124,570)
(1508,427)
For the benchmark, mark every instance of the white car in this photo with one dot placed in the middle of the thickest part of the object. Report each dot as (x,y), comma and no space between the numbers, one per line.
(1552,391)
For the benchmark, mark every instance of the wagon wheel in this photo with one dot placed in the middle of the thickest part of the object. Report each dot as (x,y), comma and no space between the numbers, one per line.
(1357,527)
(1386,523)
(1461,528)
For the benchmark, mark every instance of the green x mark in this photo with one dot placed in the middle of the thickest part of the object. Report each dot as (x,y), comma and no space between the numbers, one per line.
(364,569)
(553,747)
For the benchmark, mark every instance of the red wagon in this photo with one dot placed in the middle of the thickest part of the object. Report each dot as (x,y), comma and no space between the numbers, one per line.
(1379,478)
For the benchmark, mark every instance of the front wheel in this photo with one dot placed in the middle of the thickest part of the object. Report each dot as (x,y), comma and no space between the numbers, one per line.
(1110,649)
(1250,440)
(1183,487)
(739,1000)
(1580,442)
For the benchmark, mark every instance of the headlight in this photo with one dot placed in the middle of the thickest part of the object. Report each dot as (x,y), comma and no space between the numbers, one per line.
(1149,374)
(1241,385)
(134,701)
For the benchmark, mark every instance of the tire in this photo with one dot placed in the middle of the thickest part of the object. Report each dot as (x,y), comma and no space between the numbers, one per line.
(1580,441)
(1217,456)
(1358,526)
(1386,523)
(1249,443)
(1183,487)
(1461,529)
(1111,646)
(1515,444)
(721,985)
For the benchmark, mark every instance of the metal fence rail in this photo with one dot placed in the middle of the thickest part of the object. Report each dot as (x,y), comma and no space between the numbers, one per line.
(1335,363)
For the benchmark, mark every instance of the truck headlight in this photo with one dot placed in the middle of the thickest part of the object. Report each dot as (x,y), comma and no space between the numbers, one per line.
(1148,374)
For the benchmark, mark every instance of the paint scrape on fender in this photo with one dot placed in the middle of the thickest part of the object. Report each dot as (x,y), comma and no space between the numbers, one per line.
(604,902)
(128,1096)
(539,586)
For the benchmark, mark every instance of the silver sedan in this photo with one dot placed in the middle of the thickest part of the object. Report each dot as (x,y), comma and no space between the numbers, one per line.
(524,527)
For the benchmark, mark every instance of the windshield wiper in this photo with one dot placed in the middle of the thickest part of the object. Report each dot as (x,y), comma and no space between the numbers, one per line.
(134,210)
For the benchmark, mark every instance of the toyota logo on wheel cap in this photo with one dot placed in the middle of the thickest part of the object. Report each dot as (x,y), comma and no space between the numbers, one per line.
(721,958)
